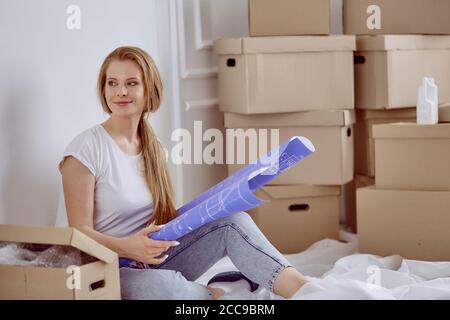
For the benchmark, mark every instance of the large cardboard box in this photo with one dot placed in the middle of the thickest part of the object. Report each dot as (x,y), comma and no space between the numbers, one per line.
(389,69)
(289,17)
(413,224)
(412,157)
(94,280)
(331,132)
(348,197)
(396,17)
(298,216)
(364,142)
(285,74)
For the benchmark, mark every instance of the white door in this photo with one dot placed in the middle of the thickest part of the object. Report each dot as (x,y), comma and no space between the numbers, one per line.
(195,24)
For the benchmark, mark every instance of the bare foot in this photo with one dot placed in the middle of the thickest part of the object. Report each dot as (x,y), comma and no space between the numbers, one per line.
(216,292)
(288,282)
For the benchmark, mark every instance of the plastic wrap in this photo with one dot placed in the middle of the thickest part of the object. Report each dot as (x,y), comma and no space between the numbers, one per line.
(38,255)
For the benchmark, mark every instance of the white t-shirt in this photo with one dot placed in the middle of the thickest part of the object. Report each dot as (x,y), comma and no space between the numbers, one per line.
(122,200)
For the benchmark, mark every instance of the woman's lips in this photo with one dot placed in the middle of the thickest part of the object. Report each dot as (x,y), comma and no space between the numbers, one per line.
(122,103)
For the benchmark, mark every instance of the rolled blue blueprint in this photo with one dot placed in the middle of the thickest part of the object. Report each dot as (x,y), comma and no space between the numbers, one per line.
(235,193)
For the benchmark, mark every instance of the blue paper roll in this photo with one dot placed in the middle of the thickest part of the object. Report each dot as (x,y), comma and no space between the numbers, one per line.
(235,193)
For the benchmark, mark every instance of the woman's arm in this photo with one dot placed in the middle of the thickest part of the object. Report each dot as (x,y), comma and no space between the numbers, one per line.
(79,187)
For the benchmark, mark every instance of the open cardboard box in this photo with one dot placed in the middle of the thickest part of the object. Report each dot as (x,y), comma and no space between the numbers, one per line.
(95,280)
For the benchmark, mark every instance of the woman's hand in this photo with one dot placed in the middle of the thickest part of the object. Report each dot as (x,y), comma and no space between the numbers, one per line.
(141,248)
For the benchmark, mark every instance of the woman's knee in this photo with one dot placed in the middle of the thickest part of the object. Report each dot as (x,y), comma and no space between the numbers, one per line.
(241,219)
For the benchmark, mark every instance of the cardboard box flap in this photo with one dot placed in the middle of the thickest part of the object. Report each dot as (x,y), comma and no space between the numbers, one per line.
(35,234)
(382,114)
(86,244)
(300,191)
(56,236)
(290,119)
(411,130)
(401,42)
(285,44)
(444,113)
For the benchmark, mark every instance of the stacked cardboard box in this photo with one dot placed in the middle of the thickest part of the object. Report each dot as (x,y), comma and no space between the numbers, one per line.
(296,216)
(444,113)
(371,17)
(348,199)
(290,17)
(301,85)
(392,57)
(330,132)
(293,76)
(407,211)
(304,201)
(364,142)
(285,74)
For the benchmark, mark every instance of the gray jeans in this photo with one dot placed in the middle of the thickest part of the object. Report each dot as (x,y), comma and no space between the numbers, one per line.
(236,236)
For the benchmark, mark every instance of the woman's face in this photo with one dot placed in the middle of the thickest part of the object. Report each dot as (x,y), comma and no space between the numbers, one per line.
(124,88)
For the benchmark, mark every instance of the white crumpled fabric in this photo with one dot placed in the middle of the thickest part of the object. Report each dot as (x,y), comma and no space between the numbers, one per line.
(336,271)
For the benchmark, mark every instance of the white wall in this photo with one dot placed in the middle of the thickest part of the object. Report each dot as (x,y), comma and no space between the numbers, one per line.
(47,88)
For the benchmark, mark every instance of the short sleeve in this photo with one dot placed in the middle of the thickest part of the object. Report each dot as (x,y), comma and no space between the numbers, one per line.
(83,148)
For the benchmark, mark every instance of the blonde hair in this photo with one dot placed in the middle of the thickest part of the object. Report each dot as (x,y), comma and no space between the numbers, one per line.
(156,170)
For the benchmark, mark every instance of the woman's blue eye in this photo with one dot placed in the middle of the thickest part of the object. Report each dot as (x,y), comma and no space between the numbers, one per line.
(134,83)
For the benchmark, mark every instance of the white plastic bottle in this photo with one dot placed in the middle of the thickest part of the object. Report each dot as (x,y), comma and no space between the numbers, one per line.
(427,102)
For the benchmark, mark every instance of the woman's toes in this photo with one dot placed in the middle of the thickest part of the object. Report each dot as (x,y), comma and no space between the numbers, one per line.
(216,292)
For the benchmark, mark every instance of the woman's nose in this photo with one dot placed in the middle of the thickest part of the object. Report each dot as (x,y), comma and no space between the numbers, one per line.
(122,91)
